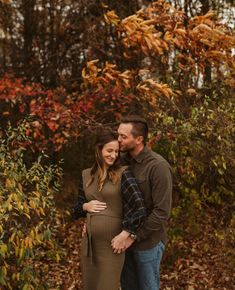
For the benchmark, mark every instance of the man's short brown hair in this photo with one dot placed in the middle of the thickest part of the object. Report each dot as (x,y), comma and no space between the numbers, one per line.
(140,126)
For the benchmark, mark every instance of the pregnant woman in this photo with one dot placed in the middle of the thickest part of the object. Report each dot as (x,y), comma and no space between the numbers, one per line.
(110,199)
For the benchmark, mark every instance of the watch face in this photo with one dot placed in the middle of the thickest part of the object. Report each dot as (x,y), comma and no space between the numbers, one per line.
(133,236)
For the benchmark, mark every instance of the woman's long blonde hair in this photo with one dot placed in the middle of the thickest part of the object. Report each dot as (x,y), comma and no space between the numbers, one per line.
(111,173)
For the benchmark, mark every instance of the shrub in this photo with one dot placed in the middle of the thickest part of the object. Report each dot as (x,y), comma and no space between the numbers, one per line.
(200,148)
(26,213)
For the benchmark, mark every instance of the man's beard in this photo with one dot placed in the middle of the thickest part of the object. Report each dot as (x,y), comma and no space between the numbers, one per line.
(126,149)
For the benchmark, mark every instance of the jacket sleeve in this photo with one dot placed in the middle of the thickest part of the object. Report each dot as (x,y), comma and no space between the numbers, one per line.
(134,210)
(77,211)
(161,185)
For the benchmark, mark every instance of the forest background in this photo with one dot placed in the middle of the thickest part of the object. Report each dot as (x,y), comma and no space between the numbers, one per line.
(69,67)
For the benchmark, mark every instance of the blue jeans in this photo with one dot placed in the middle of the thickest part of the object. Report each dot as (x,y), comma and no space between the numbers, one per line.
(141,269)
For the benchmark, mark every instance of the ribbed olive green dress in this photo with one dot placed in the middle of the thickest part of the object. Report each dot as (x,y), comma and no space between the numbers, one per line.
(101,268)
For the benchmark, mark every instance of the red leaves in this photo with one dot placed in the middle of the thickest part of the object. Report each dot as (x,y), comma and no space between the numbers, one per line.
(14,89)
(58,117)
(32,99)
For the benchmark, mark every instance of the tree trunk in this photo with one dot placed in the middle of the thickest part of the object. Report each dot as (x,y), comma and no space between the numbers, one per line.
(205,9)
(28,33)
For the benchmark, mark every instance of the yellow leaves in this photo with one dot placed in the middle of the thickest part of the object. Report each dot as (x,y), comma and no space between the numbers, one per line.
(4,270)
(17,251)
(24,189)
(12,237)
(28,242)
(148,42)
(109,76)
(3,250)
(32,234)
(216,54)
(21,252)
(203,18)
(39,211)
(91,66)
(91,71)
(152,89)
(202,28)
(126,75)
(7,205)
(37,194)
(180,31)
(210,40)
(57,257)
(111,18)
(99,78)
(168,36)
(148,22)
(16,276)
(20,187)
(206,42)
(140,33)
(32,204)
(42,212)
(9,183)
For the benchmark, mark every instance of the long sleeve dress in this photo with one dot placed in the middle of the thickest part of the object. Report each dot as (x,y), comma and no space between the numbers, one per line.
(101,268)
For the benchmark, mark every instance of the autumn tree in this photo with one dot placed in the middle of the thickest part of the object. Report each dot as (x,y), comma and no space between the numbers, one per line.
(68,67)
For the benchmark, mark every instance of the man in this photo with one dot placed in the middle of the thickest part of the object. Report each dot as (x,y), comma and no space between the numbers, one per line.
(153,174)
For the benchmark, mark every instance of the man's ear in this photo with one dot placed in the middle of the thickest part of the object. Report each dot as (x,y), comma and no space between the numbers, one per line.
(139,139)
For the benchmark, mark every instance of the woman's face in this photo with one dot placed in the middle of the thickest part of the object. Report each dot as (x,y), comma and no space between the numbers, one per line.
(110,152)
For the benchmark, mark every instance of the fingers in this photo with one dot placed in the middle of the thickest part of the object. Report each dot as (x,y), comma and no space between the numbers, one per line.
(118,246)
(96,206)
(98,203)
(100,206)
(97,210)
(118,250)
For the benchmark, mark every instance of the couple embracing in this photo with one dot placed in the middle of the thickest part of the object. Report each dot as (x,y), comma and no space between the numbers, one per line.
(126,204)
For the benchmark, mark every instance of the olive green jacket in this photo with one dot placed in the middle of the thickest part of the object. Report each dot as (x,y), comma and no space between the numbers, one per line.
(154,177)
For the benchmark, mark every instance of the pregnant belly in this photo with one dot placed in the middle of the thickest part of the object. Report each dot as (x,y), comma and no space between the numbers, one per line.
(104,227)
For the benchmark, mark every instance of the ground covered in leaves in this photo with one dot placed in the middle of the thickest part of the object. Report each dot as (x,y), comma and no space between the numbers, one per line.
(202,261)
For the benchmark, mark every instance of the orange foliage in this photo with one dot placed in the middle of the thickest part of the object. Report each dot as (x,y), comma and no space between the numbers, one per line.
(156,32)
(97,78)
(160,29)
(56,117)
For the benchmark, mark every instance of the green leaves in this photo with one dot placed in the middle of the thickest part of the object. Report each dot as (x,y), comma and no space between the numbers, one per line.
(26,212)
(201,152)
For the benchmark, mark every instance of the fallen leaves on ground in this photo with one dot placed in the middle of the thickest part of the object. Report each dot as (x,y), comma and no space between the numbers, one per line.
(202,262)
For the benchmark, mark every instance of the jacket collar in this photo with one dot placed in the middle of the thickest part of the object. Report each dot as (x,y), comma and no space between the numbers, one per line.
(139,158)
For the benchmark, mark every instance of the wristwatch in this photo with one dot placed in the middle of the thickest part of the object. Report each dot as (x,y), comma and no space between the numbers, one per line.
(133,236)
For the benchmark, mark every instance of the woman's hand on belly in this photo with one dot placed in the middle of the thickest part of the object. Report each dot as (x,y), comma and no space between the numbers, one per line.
(94,206)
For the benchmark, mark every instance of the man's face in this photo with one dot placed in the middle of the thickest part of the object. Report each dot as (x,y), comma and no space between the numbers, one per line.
(125,138)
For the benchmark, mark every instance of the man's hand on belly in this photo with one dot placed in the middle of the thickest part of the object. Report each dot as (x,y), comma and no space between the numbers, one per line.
(121,242)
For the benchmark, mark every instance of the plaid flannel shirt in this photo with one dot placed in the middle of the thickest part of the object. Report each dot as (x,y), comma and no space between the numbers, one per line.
(134,211)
